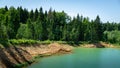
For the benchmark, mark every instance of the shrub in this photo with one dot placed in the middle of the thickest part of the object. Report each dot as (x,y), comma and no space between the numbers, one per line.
(112,36)
(22,41)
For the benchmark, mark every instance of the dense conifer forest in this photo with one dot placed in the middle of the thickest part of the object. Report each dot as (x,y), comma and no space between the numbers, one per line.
(19,23)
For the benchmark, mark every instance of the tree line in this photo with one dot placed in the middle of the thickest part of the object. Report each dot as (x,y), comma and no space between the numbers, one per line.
(19,23)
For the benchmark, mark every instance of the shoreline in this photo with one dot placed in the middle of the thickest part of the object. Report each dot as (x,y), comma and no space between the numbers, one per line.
(24,55)
(99,45)
(20,56)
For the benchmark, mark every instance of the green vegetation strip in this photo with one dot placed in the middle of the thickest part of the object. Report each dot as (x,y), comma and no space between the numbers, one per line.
(30,42)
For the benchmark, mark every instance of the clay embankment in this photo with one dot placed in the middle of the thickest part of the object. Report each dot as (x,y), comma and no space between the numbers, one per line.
(46,50)
(11,56)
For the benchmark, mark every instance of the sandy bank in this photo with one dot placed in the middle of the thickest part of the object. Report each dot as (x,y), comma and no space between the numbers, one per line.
(98,45)
(47,49)
(14,55)
(11,56)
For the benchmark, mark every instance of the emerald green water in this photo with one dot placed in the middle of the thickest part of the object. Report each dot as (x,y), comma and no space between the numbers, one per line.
(83,58)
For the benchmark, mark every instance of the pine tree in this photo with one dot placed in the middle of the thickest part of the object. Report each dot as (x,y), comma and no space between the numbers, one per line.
(36,14)
(98,28)
(31,15)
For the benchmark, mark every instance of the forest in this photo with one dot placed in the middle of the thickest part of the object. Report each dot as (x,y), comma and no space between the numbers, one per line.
(19,23)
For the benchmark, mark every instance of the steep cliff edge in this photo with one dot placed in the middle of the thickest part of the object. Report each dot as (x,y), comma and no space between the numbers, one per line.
(14,55)
(11,56)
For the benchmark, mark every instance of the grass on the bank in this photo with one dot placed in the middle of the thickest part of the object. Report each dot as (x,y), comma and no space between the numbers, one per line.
(23,64)
(22,41)
(29,42)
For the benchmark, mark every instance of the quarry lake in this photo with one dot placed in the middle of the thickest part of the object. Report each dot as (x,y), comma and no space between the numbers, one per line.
(82,58)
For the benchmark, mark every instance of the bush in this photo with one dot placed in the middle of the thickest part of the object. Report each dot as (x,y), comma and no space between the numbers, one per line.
(21,65)
(45,42)
(112,36)
(22,41)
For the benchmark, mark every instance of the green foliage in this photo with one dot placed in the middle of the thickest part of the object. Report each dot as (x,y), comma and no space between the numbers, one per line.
(30,29)
(54,26)
(36,15)
(3,35)
(22,41)
(28,42)
(20,65)
(21,31)
(45,42)
(38,30)
(112,36)
(24,32)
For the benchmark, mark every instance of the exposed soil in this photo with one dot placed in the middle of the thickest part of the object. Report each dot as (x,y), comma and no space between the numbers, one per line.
(13,55)
(47,49)
(98,45)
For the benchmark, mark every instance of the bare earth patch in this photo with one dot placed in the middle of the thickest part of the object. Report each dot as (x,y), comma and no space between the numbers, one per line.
(24,53)
(47,49)
(98,45)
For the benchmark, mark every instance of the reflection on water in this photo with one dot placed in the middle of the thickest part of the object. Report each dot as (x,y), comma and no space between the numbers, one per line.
(83,58)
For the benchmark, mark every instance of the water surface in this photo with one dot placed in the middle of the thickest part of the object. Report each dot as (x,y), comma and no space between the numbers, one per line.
(82,58)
